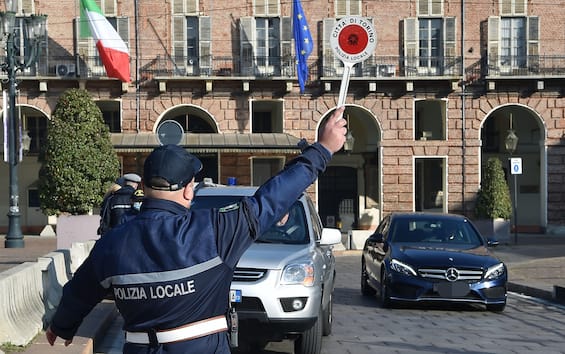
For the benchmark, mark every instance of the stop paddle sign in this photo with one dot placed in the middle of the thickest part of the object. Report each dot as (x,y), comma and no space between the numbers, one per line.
(353,40)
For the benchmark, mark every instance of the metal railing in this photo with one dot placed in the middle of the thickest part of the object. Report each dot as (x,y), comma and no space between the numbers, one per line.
(376,67)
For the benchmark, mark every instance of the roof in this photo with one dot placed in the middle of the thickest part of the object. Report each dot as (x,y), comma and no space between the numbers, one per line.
(212,142)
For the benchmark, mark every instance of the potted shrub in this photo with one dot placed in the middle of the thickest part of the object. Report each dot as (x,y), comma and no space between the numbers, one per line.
(493,207)
(78,163)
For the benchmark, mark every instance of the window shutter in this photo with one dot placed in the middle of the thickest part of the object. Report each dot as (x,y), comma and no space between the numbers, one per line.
(355,7)
(505,7)
(82,43)
(273,7)
(423,8)
(260,8)
(246,38)
(328,60)
(493,40)
(191,7)
(179,40)
(122,24)
(533,36)
(411,42)
(205,43)
(436,7)
(286,46)
(449,39)
(340,8)
(178,7)
(109,8)
(28,7)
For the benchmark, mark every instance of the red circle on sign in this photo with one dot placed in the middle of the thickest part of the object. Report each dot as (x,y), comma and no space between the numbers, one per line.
(353,39)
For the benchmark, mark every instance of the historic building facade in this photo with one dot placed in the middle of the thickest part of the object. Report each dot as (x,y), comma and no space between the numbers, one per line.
(436,99)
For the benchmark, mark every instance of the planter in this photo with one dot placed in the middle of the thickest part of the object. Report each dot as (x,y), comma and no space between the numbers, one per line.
(498,229)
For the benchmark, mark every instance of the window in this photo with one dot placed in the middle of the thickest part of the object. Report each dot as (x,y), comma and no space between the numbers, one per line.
(36,127)
(268,37)
(192,45)
(264,168)
(263,41)
(266,8)
(193,123)
(429,46)
(267,117)
(347,8)
(430,185)
(430,119)
(430,42)
(513,40)
(111,112)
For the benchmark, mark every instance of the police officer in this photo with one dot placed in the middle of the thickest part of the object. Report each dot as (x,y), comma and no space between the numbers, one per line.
(118,204)
(170,268)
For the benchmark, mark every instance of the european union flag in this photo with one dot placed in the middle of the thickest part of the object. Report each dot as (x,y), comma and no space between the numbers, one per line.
(302,41)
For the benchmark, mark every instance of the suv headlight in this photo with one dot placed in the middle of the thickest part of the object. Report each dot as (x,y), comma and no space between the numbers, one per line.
(402,268)
(298,273)
(495,272)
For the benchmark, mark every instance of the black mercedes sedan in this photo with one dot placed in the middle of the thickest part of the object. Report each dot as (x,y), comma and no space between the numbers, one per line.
(432,257)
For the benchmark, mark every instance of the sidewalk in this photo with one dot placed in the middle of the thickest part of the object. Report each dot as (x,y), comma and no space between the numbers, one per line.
(536,267)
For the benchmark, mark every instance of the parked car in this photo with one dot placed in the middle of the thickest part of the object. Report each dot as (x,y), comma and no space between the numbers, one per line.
(285,280)
(432,257)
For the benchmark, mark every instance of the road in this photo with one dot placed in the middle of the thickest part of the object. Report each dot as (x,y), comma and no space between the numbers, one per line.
(361,326)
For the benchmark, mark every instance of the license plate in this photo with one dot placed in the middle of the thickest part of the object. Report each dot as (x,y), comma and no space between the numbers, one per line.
(456,289)
(235,295)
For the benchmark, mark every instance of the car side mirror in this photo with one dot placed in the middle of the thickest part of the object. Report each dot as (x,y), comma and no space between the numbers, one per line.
(330,236)
(491,242)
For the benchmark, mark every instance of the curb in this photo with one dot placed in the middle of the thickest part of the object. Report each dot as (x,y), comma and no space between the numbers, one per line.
(557,295)
(92,330)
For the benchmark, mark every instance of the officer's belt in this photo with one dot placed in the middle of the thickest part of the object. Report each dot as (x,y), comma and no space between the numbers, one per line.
(188,331)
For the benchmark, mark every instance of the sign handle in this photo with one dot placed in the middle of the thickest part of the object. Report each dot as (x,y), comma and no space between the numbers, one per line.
(344,83)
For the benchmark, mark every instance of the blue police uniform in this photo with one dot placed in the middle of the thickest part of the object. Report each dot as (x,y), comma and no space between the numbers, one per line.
(170,268)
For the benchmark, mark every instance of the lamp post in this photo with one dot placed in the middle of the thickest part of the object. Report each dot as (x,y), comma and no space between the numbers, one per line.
(510,143)
(33,31)
(349,139)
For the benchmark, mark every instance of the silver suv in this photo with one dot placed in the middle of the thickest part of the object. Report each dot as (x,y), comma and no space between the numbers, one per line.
(285,280)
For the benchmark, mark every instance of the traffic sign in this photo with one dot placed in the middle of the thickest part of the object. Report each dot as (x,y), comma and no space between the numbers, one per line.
(516,165)
(353,40)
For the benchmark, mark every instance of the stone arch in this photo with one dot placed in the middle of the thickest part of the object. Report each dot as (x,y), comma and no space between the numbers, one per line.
(354,177)
(203,117)
(529,189)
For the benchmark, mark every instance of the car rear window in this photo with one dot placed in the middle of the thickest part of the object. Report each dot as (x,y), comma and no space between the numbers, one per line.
(294,231)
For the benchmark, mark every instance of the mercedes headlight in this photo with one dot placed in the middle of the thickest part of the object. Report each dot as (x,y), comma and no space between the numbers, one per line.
(402,268)
(495,272)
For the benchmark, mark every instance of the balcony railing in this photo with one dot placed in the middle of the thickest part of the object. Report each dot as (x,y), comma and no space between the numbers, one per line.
(250,68)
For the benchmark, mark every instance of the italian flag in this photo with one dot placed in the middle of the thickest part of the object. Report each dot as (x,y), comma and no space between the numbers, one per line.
(111,47)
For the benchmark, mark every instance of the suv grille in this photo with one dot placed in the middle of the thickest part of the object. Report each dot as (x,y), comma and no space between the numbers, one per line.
(462,274)
(248,274)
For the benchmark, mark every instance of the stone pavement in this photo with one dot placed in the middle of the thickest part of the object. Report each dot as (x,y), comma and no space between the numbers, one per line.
(536,267)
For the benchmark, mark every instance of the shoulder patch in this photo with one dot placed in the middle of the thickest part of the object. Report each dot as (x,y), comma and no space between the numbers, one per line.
(230,207)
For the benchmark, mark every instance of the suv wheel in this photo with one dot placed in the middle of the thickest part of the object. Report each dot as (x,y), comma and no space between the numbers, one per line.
(327,318)
(310,341)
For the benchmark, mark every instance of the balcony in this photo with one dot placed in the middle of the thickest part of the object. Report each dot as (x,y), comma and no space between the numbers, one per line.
(284,68)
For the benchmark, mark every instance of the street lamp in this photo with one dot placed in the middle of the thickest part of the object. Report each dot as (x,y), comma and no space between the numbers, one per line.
(33,31)
(510,143)
(349,139)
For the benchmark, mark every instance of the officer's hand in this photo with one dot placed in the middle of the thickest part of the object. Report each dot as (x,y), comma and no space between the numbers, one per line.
(332,136)
(51,337)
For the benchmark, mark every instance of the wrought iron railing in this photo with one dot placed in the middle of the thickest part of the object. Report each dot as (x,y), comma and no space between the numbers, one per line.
(376,67)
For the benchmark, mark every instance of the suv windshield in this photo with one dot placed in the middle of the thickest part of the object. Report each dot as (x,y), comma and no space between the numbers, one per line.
(291,229)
